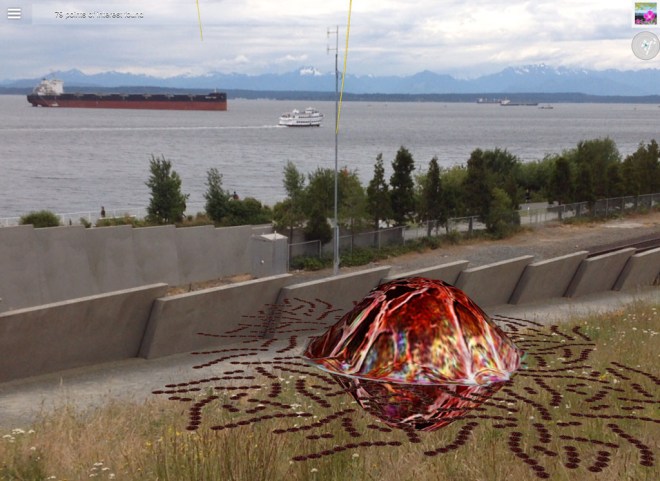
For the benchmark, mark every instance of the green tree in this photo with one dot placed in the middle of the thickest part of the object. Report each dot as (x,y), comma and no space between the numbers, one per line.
(352,208)
(317,227)
(290,213)
(536,177)
(615,185)
(319,195)
(432,199)
(319,198)
(402,195)
(597,155)
(378,195)
(561,184)
(217,199)
(476,188)
(584,185)
(641,170)
(319,204)
(502,216)
(294,181)
(503,170)
(167,203)
(453,180)
(248,211)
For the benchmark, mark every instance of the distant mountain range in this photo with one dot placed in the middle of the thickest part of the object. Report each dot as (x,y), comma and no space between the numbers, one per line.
(537,79)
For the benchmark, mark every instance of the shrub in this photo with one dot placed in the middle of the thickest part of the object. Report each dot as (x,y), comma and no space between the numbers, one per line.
(125,220)
(42,218)
(309,263)
(318,228)
(453,237)
(431,242)
(167,203)
(358,257)
(197,220)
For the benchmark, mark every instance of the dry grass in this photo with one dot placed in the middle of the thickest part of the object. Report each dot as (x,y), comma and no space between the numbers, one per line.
(149,441)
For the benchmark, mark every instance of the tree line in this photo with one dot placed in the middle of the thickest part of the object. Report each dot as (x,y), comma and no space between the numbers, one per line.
(491,186)
(167,203)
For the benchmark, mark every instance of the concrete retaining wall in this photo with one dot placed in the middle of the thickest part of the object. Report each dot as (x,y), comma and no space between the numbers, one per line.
(41,266)
(640,270)
(444,272)
(341,291)
(112,259)
(197,253)
(599,273)
(233,244)
(493,284)
(175,321)
(19,271)
(157,259)
(64,335)
(64,265)
(547,279)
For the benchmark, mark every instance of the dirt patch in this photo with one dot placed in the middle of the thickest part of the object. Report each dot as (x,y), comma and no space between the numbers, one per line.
(197,286)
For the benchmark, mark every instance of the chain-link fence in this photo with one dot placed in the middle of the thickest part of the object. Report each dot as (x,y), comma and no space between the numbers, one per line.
(468,225)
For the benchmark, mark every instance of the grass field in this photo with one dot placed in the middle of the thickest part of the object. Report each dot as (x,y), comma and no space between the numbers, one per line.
(585,406)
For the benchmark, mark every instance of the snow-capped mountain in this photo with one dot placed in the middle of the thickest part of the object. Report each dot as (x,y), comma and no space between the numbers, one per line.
(522,79)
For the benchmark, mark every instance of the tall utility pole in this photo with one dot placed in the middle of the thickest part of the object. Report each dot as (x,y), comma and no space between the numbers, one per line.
(335,255)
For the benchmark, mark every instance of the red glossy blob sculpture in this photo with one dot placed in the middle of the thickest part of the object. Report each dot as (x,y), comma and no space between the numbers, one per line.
(416,353)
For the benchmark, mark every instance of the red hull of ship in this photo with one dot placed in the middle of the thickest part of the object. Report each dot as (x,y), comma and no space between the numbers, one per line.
(126,104)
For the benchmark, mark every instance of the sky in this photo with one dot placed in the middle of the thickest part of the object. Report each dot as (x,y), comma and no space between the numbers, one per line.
(387,37)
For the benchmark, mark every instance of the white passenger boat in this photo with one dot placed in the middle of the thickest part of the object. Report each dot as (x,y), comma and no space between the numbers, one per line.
(310,117)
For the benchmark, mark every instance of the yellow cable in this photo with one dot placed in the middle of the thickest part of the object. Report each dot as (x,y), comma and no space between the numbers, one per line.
(343,75)
(199,19)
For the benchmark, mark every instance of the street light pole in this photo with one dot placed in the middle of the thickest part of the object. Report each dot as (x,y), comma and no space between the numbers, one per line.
(335,255)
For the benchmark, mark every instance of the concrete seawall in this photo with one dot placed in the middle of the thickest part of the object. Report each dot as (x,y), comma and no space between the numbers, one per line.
(445,272)
(176,322)
(599,273)
(141,322)
(547,279)
(80,332)
(640,270)
(42,266)
(493,284)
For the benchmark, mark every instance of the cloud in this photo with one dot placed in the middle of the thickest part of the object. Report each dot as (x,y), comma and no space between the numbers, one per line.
(292,59)
(387,37)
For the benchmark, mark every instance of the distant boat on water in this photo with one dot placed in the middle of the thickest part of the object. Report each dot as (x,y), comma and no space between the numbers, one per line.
(310,117)
(508,103)
(485,100)
(50,93)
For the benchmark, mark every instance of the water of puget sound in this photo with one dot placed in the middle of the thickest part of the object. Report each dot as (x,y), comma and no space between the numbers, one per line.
(73,160)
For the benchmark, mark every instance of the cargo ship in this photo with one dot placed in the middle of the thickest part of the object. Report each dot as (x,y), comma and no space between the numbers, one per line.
(50,93)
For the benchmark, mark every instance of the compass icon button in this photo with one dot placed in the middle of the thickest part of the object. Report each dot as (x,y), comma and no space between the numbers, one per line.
(646,45)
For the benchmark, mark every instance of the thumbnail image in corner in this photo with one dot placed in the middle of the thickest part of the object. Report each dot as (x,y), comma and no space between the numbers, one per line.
(646,13)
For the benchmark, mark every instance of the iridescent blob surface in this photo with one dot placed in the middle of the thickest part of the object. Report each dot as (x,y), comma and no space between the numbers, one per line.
(416,353)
